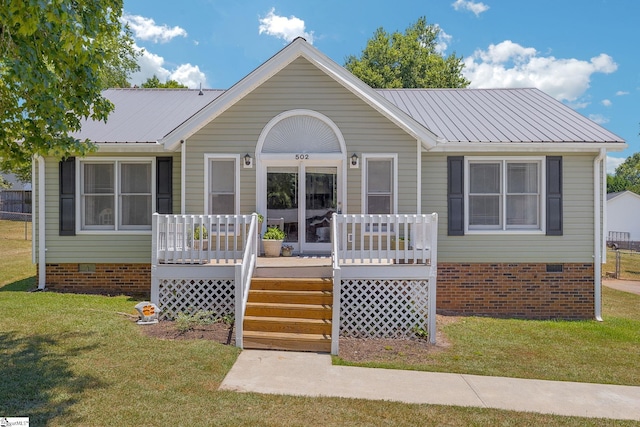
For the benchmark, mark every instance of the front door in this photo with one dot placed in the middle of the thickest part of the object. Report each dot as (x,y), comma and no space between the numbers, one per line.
(301,198)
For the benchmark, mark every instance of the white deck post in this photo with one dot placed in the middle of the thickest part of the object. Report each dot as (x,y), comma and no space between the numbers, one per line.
(239,315)
(335,315)
(433,273)
(155,285)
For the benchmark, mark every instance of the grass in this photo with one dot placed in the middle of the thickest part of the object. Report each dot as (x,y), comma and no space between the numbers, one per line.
(629,264)
(15,252)
(70,360)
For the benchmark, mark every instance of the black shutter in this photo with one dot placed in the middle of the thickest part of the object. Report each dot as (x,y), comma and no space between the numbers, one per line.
(67,197)
(455,195)
(554,196)
(164,185)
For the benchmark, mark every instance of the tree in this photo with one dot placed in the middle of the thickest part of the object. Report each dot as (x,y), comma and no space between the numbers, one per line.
(628,174)
(154,82)
(408,60)
(55,59)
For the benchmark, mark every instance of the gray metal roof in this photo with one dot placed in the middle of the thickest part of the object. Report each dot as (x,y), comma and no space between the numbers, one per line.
(455,115)
(145,115)
(497,115)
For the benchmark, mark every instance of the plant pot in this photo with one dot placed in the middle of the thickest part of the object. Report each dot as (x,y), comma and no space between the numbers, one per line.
(287,251)
(272,247)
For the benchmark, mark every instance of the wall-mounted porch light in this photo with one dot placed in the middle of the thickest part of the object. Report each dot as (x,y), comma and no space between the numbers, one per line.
(355,161)
(248,161)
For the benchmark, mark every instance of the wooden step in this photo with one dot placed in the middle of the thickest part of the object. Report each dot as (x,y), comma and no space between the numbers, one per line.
(287,325)
(292,284)
(307,311)
(284,341)
(291,297)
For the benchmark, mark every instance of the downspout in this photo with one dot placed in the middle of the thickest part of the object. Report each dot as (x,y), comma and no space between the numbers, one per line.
(42,249)
(597,235)
(34,230)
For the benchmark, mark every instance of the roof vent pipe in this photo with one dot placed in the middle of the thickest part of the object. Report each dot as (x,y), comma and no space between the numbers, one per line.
(201,92)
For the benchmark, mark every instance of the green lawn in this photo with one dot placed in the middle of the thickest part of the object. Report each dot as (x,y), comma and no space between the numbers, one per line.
(80,360)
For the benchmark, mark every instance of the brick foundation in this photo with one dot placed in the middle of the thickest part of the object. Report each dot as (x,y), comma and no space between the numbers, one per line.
(516,290)
(109,279)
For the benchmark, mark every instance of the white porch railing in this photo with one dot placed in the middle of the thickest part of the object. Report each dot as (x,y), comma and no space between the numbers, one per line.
(384,269)
(384,239)
(199,239)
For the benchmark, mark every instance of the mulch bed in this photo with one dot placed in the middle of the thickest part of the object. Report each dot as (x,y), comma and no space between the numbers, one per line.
(360,350)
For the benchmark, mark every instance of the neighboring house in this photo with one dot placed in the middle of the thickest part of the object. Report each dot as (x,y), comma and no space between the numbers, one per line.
(516,178)
(622,217)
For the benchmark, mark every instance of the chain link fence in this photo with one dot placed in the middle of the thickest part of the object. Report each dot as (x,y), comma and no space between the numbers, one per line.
(15,205)
(622,264)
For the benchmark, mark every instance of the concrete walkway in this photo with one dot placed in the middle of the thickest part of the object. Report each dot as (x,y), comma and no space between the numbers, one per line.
(623,285)
(312,374)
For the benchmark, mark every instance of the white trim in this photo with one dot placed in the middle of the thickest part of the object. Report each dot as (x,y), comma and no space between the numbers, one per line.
(183,176)
(526,147)
(208,157)
(363,189)
(35,188)
(298,48)
(42,248)
(503,160)
(419,179)
(115,161)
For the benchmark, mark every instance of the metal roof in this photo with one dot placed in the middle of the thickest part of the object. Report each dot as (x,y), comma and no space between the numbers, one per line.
(145,115)
(497,115)
(454,115)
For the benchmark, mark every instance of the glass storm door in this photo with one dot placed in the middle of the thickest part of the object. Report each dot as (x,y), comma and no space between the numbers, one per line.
(303,207)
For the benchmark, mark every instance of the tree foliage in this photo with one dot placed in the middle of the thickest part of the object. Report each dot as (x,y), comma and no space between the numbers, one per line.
(154,82)
(55,59)
(627,176)
(409,60)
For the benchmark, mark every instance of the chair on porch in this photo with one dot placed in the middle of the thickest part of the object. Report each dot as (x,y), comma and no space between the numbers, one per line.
(276,222)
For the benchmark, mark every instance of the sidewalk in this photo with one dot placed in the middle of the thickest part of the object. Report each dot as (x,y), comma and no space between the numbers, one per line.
(623,285)
(312,374)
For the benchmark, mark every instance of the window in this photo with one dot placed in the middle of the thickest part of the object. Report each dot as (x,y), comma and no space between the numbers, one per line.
(379,185)
(116,195)
(222,196)
(504,194)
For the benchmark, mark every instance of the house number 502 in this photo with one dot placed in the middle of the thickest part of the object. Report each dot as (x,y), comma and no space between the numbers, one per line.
(302,157)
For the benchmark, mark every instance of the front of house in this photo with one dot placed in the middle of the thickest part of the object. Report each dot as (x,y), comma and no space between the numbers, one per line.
(515,177)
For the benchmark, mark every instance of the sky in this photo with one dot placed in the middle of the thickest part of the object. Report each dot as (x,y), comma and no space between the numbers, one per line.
(582,52)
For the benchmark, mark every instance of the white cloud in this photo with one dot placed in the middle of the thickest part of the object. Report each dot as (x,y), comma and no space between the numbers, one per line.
(443,41)
(476,7)
(613,163)
(607,102)
(284,28)
(150,64)
(622,93)
(509,64)
(598,118)
(146,29)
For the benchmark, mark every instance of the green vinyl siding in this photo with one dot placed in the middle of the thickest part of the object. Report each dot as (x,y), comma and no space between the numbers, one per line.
(103,247)
(575,245)
(301,85)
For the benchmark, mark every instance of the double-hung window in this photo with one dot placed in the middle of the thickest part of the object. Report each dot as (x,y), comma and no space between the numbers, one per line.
(504,194)
(379,183)
(116,195)
(222,198)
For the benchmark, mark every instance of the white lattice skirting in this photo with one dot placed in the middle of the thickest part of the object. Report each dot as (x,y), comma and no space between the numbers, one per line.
(383,308)
(190,295)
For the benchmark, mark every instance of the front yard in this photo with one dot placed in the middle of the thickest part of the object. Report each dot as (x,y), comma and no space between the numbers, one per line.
(81,360)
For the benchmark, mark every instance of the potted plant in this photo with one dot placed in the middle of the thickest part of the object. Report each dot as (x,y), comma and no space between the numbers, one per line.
(272,241)
(198,233)
(287,250)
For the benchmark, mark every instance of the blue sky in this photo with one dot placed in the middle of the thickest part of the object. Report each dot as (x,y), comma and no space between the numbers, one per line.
(582,52)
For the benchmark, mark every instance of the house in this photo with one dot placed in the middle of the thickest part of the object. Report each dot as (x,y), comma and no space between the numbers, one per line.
(623,226)
(498,193)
